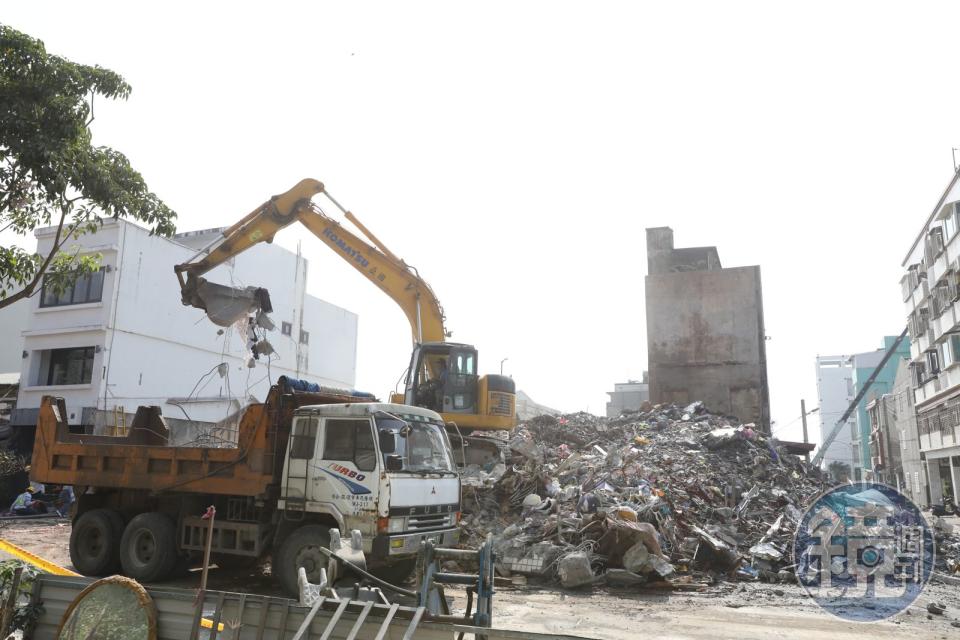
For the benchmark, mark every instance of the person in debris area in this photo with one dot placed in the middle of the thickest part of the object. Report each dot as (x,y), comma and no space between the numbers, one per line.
(25,505)
(38,487)
(65,500)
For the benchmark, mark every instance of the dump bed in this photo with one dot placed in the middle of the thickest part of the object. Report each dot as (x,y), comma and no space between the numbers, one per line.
(142,459)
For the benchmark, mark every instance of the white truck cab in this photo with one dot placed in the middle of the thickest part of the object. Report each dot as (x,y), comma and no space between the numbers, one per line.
(385,469)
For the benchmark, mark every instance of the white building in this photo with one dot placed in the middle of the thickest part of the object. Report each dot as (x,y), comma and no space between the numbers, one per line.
(627,396)
(835,392)
(121,338)
(931,295)
(527,408)
(13,320)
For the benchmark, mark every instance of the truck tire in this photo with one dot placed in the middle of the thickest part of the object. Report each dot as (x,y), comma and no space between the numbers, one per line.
(300,549)
(148,548)
(95,542)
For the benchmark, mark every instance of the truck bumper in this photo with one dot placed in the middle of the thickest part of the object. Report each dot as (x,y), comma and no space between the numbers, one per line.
(395,545)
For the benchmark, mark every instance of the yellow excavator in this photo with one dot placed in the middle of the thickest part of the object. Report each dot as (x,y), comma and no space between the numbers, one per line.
(441,375)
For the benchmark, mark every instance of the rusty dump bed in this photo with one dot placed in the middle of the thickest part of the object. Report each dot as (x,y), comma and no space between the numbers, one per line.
(143,460)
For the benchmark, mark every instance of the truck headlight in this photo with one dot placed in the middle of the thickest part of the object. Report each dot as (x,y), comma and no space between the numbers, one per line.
(397,525)
(458,401)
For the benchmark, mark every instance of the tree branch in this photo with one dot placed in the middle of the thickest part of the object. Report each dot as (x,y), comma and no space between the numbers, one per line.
(27,291)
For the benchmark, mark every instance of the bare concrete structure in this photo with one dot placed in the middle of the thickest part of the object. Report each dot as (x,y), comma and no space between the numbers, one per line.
(705,335)
(628,396)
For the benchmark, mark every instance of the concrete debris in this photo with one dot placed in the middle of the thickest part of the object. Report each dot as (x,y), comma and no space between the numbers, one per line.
(947,557)
(574,570)
(225,305)
(624,578)
(667,495)
(936,608)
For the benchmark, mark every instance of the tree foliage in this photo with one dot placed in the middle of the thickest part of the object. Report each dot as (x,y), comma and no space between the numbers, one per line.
(51,174)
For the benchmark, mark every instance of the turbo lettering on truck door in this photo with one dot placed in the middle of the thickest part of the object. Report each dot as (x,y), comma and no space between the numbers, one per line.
(348,459)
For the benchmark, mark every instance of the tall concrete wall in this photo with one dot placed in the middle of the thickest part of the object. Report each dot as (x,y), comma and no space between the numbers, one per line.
(705,335)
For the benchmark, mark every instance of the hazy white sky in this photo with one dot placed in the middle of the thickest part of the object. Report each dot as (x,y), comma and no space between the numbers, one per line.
(514,152)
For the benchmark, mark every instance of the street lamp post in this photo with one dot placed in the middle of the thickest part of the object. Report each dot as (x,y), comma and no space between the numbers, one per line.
(501,365)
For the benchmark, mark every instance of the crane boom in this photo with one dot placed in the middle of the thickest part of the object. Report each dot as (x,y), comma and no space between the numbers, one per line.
(378,264)
(822,451)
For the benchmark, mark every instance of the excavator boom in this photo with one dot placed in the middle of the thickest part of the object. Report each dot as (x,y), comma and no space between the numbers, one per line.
(377,263)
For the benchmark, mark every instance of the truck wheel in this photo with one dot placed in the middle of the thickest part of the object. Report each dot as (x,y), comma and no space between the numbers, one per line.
(396,573)
(95,542)
(301,549)
(148,549)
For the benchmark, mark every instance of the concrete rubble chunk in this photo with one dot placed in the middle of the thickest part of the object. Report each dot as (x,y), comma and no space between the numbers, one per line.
(636,559)
(574,570)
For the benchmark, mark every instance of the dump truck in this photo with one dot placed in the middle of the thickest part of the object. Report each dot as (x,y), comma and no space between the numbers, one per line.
(303,462)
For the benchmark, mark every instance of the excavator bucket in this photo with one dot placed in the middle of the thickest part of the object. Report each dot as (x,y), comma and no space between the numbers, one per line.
(224,305)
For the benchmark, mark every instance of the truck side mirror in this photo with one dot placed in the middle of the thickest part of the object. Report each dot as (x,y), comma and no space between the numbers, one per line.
(394,463)
(388,442)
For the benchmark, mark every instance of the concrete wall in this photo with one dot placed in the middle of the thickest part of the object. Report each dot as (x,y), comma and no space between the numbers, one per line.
(705,337)
(627,396)
(152,350)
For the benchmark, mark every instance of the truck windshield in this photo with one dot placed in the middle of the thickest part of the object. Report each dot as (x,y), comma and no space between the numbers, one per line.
(423,446)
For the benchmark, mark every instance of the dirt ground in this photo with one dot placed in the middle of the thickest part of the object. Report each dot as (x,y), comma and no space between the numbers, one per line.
(742,610)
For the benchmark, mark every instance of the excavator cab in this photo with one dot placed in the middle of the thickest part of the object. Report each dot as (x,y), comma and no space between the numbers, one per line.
(443,377)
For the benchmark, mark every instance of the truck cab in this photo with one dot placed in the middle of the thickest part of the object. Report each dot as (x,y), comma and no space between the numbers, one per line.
(384,469)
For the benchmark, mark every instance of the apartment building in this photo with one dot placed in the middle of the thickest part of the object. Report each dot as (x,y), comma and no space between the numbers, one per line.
(121,337)
(931,295)
(835,392)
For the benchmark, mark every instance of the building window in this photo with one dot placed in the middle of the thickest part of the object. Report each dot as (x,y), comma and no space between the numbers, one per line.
(87,288)
(934,243)
(933,362)
(304,337)
(286,328)
(68,366)
(919,373)
(910,281)
(950,222)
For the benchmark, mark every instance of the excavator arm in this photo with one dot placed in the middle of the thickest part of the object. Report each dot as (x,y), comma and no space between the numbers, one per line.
(378,264)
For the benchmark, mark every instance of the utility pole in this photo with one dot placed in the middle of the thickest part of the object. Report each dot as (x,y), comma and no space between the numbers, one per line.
(803,415)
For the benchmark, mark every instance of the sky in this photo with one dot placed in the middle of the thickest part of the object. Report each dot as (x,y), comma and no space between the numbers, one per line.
(514,152)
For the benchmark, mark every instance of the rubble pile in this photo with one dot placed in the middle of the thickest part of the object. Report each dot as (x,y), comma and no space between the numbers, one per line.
(947,541)
(667,494)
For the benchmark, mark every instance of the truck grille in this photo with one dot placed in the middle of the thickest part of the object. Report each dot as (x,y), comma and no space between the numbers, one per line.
(433,521)
(501,404)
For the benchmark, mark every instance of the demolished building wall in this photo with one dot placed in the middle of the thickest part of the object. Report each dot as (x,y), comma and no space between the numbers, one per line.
(705,331)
